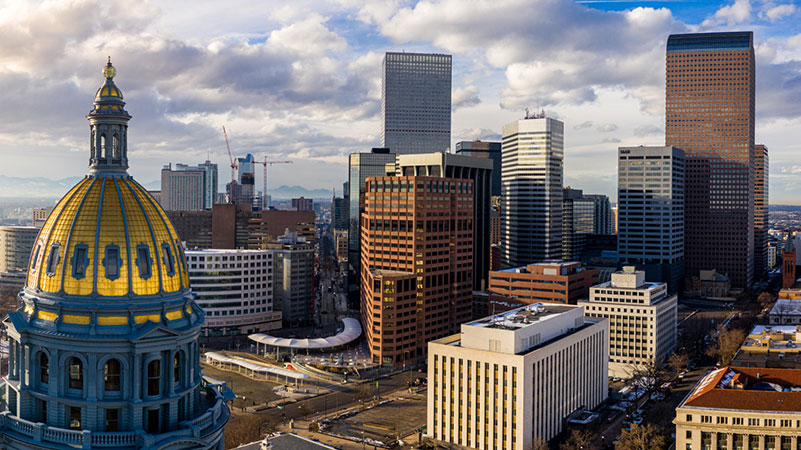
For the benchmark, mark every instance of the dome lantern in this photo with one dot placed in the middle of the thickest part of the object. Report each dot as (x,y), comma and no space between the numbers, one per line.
(108,123)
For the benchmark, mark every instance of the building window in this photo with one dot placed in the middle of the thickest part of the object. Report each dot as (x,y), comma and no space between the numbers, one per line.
(112,420)
(80,261)
(75,417)
(44,369)
(75,368)
(169,260)
(176,368)
(143,261)
(154,377)
(35,258)
(52,259)
(42,410)
(112,375)
(112,262)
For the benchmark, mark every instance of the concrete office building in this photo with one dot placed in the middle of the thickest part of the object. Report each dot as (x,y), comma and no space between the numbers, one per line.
(194,227)
(709,114)
(361,166)
(235,289)
(510,380)
(742,408)
(602,214)
(416,102)
(547,281)
(16,244)
(578,221)
(531,182)
(417,263)
(267,226)
(293,263)
(302,204)
(761,222)
(339,209)
(490,150)
(479,170)
(651,207)
(182,190)
(40,216)
(642,320)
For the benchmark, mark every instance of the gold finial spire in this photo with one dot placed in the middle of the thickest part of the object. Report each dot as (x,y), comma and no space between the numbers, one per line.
(108,70)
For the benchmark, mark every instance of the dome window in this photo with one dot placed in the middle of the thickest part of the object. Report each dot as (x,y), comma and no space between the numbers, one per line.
(112,262)
(169,260)
(35,258)
(143,261)
(52,259)
(80,261)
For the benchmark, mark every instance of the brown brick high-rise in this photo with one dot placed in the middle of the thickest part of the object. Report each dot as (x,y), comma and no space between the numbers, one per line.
(709,113)
(416,263)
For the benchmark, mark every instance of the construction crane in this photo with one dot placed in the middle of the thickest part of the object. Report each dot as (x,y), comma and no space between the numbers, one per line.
(266,163)
(233,161)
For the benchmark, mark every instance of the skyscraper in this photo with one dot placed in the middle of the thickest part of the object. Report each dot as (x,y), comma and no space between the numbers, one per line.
(531,177)
(650,197)
(760,210)
(578,215)
(247,179)
(481,149)
(181,190)
(602,214)
(710,116)
(461,166)
(416,102)
(417,266)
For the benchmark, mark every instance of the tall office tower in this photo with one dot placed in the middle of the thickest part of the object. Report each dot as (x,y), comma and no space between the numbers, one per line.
(578,214)
(339,209)
(181,190)
(179,187)
(602,214)
(362,166)
(651,208)
(16,244)
(416,102)
(531,184)
(760,210)
(479,170)
(642,320)
(417,260)
(515,377)
(302,204)
(294,278)
(247,179)
(481,149)
(709,113)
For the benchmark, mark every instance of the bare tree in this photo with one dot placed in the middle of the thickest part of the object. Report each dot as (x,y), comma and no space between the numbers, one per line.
(539,444)
(765,299)
(579,440)
(641,437)
(677,362)
(650,375)
(245,428)
(727,345)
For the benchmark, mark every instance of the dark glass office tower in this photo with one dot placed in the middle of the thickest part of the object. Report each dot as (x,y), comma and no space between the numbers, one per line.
(709,113)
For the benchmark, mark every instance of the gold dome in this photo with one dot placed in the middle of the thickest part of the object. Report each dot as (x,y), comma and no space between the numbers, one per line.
(108,237)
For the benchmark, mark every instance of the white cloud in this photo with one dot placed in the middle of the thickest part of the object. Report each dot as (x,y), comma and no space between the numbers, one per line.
(733,14)
(780,11)
(648,130)
(465,97)
(606,128)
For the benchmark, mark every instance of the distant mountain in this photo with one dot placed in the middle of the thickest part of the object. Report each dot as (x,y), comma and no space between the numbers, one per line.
(35,187)
(300,191)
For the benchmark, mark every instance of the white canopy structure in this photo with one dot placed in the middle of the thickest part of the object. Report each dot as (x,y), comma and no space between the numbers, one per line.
(349,333)
(251,368)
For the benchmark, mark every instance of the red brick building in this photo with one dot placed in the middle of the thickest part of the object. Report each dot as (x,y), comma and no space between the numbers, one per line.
(416,263)
(548,281)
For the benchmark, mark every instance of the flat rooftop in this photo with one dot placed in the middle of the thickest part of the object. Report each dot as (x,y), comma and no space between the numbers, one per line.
(748,389)
(523,317)
(786,307)
(644,285)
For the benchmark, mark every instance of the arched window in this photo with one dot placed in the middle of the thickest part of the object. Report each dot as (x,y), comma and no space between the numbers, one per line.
(112,375)
(44,368)
(75,369)
(94,145)
(176,368)
(103,146)
(115,146)
(154,377)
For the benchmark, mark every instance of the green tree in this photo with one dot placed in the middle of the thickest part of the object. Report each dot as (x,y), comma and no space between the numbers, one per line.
(641,437)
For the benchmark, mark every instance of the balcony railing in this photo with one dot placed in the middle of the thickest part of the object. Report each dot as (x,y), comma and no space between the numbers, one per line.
(211,420)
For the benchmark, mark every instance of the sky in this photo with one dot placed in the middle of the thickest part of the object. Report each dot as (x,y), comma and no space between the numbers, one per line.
(301,80)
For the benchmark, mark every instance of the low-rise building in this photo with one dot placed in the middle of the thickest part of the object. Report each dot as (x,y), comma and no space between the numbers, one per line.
(786,312)
(511,379)
(235,288)
(642,320)
(548,281)
(742,408)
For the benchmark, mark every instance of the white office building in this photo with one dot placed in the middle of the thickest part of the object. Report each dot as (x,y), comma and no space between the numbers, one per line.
(511,379)
(416,102)
(16,244)
(235,289)
(642,320)
(531,185)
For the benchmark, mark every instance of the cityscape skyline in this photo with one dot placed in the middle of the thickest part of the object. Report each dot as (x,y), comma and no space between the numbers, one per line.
(284,113)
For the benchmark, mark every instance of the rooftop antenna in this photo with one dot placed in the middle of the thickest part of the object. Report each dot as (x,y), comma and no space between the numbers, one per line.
(528,116)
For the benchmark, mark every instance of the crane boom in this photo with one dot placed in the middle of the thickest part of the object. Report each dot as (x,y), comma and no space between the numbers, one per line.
(230,156)
(266,163)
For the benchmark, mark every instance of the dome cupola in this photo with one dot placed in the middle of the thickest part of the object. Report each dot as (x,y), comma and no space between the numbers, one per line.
(109,129)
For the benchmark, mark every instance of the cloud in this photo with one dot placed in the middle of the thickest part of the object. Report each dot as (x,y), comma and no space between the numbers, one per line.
(481,134)
(606,128)
(777,12)
(647,130)
(737,12)
(610,140)
(465,97)
(583,125)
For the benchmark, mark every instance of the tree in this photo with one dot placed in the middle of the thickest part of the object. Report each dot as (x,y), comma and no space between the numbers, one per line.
(677,362)
(245,428)
(579,440)
(727,345)
(650,375)
(641,437)
(765,299)
(538,444)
